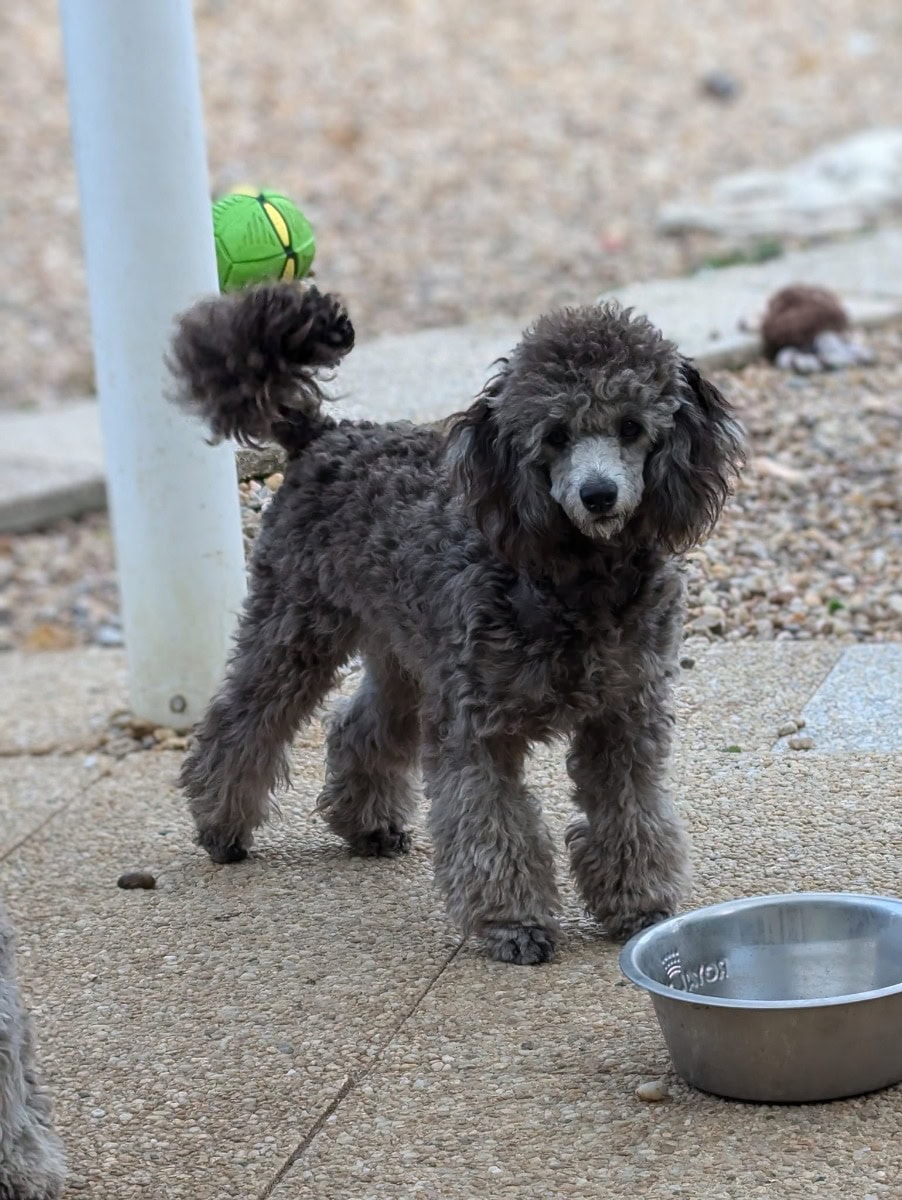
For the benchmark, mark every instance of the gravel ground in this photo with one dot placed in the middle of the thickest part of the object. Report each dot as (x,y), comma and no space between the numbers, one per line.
(457,160)
(810,547)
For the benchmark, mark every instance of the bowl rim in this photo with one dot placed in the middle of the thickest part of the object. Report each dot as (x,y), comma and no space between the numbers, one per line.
(638,977)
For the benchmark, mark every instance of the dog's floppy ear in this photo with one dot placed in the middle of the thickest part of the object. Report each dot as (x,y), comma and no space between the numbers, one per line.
(689,475)
(480,467)
(496,485)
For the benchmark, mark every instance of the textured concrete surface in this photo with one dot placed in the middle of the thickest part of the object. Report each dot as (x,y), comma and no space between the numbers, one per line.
(859,704)
(386,379)
(522,1083)
(194,1034)
(36,789)
(306,1024)
(54,701)
(739,694)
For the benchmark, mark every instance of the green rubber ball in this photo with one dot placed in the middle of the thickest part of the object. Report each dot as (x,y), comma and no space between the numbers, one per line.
(260,236)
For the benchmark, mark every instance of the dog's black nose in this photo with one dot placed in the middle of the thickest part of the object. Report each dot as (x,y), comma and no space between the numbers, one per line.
(599,495)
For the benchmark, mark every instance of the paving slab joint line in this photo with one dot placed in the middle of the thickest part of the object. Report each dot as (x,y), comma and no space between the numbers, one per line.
(50,749)
(57,812)
(777,742)
(354,1080)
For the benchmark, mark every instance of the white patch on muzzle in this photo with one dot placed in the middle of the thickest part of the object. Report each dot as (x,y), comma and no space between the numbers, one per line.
(597,461)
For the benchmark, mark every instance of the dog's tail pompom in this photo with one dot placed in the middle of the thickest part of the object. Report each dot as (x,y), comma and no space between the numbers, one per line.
(247,362)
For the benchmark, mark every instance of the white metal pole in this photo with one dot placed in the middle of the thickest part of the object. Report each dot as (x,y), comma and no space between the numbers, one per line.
(137,130)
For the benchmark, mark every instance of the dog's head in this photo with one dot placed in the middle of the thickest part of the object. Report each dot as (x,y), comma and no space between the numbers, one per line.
(595,424)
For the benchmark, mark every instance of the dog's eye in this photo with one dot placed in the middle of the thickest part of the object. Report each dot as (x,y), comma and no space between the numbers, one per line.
(558,437)
(630,430)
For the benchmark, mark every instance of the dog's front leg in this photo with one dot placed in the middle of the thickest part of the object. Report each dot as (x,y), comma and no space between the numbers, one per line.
(494,860)
(628,850)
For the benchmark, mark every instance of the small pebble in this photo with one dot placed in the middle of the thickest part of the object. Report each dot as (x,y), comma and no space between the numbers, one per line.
(173,743)
(721,85)
(109,635)
(274,481)
(653,1091)
(119,747)
(140,728)
(687,663)
(133,880)
(787,728)
(801,743)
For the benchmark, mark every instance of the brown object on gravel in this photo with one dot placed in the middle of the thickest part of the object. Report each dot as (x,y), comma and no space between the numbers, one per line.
(135,880)
(797,314)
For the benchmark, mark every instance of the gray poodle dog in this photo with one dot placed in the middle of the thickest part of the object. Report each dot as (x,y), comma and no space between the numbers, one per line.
(506,583)
(31,1156)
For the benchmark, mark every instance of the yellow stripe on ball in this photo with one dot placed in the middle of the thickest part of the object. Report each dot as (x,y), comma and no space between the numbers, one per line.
(278,223)
(288,269)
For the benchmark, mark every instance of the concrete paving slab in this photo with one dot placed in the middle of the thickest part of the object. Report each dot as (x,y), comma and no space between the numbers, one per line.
(740,693)
(422,376)
(58,699)
(33,790)
(859,704)
(765,822)
(522,1083)
(198,1036)
(194,1034)
(51,465)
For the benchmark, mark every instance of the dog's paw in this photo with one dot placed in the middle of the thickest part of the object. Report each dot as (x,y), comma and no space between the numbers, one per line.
(623,926)
(382,843)
(219,849)
(523,945)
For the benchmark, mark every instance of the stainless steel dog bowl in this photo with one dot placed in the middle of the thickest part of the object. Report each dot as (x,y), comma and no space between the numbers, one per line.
(781,999)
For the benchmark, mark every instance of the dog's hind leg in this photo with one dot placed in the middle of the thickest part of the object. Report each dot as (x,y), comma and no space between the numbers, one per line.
(286,658)
(494,859)
(628,850)
(369,798)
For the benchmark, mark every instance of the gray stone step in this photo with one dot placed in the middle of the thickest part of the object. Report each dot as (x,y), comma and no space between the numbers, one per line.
(51,465)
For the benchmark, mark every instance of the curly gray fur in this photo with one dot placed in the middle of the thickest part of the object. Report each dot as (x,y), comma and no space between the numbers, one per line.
(277,339)
(507,584)
(31,1155)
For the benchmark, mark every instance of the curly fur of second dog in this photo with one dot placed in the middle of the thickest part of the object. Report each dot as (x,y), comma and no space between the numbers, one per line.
(506,584)
(31,1156)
